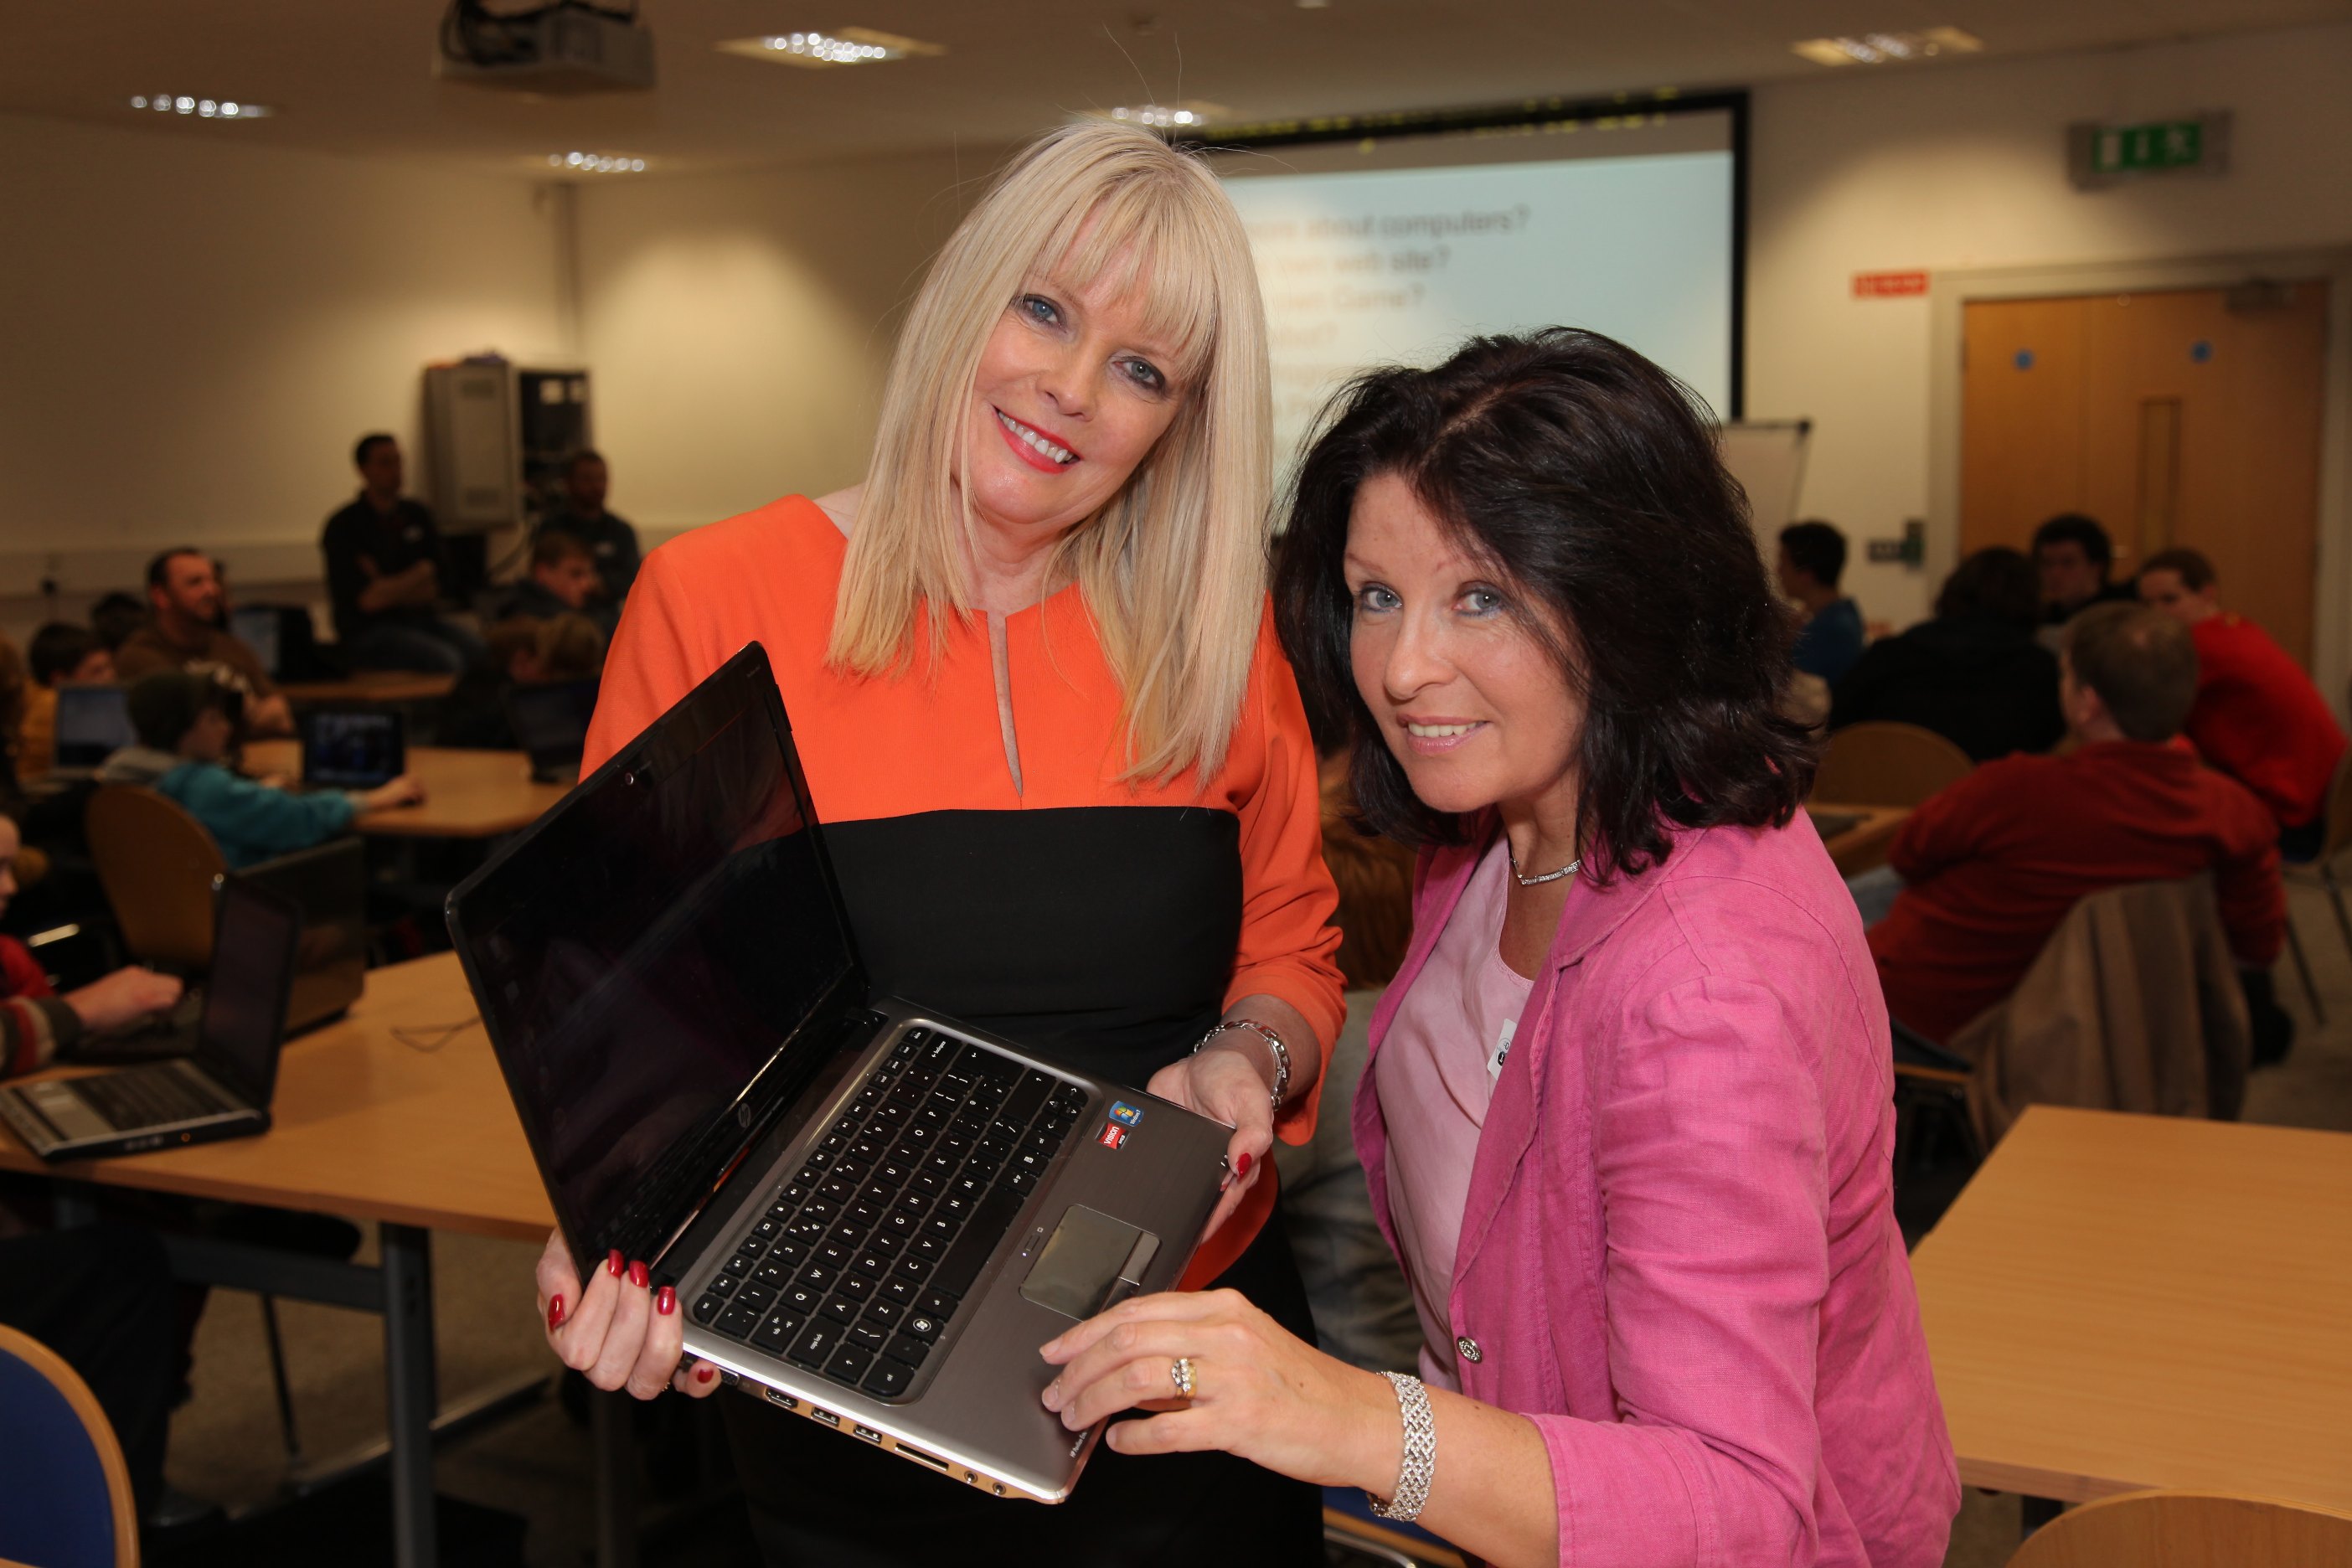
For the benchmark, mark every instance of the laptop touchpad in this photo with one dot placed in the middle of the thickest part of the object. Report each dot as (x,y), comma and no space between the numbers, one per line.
(1091,1262)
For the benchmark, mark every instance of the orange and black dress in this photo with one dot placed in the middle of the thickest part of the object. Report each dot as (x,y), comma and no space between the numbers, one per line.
(1109,923)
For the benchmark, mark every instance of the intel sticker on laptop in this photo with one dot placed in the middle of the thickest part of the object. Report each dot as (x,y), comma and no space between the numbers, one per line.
(1126,1115)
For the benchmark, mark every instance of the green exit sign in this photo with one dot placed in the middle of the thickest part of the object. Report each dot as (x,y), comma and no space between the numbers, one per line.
(2101,155)
(2167,144)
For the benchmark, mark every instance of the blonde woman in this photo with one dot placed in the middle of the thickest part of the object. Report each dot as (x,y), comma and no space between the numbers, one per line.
(1068,781)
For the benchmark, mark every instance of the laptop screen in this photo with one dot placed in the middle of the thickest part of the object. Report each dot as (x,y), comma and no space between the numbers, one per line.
(551,719)
(643,952)
(352,751)
(93,723)
(257,627)
(255,938)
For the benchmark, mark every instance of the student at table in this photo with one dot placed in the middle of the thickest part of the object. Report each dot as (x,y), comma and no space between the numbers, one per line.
(2074,555)
(581,512)
(37,1025)
(1628,1100)
(1032,675)
(183,631)
(385,566)
(60,654)
(183,730)
(1975,674)
(523,652)
(1831,637)
(1991,864)
(2257,716)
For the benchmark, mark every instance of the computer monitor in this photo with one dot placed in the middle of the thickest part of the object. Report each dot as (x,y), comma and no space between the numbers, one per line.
(93,723)
(256,626)
(358,749)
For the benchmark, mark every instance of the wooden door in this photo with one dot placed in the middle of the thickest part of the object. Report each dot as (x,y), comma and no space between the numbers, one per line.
(2179,417)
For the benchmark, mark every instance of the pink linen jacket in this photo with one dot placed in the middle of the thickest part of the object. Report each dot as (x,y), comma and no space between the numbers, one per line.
(1678,1256)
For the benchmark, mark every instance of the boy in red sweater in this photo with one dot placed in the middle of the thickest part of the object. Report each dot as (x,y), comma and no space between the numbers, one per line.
(1992,863)
(2258,717)
(35,1023)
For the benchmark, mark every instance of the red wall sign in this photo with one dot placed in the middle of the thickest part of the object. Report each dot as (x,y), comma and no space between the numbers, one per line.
(1888,285)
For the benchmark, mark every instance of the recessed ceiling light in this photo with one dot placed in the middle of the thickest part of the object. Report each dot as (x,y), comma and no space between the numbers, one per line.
(1168,116)
(1888,48)
(595,164)
(821,51)
(202,107)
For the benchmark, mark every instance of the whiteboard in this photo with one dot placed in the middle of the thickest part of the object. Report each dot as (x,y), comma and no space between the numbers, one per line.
(1768,457)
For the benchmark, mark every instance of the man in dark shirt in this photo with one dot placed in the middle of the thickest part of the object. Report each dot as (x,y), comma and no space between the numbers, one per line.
(2074,555)
(1974,675)
(1813,559)
(581,514)
(183,632)
(384,566)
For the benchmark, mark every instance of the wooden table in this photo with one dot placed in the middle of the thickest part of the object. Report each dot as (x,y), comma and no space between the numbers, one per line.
(1858,848)
(413,1136)
(371,686)
(467,793)
(2126,1301)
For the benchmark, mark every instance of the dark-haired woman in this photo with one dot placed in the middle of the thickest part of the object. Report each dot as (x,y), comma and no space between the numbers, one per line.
(1627,1119)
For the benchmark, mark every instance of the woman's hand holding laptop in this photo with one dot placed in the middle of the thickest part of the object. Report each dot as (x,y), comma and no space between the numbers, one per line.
(616,1330)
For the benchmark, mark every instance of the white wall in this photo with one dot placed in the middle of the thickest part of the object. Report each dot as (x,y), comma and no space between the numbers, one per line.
(739,325)
(1965,167)
(195,332)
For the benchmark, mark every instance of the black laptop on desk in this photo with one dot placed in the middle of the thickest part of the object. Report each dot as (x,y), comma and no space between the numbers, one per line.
(873,1215)
(223,1090)
(93,723)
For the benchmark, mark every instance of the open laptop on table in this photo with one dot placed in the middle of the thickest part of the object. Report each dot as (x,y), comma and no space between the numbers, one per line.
(93,723)
(352,747)
(873,1215)
(220,1091)
(551,719)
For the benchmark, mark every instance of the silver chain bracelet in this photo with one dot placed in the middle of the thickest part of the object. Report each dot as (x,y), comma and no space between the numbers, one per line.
(1420,1464)
(1273,1043)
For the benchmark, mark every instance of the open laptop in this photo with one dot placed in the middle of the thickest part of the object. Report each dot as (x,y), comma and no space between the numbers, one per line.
(220,1091)
(256,626)
(357,748)
(93,723)
(873,1215)
(551,719)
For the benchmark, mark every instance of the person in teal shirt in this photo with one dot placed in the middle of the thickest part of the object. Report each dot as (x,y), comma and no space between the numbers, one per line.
(1813,559)
(183,727)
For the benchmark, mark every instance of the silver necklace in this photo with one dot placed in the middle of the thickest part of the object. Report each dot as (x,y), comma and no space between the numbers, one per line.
(1566,870)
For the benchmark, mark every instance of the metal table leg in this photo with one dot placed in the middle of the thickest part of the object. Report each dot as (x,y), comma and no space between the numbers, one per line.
(409,1389)
(612,1417)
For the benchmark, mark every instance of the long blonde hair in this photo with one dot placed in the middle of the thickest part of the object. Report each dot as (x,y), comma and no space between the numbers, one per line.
(1173,567)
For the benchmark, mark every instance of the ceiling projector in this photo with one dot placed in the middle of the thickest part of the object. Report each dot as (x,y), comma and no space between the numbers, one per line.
(566,47)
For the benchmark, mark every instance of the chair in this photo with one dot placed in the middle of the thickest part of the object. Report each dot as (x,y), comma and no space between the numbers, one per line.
(2191,1530)
(157,863)
(2337,838)
(1879,764)
(65,1490)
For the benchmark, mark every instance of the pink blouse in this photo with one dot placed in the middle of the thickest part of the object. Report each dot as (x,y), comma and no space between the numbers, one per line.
(1446,1043)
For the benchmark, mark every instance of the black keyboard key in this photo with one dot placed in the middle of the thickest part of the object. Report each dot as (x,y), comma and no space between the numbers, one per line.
(760,1296)
(776,1271)
(929,1248)
(924,1326)
(833,1190)
(802,1299)
(913,1201)
(723,1284)
(915,1266)
(888,1380)
(708,1310)
(899,1224)
(972,1250)
(737,1321)
(817,1277)
(887,1312)
(941,1227)
(833,1255)
(819,1210)
(817,1342)
(1021,1182)
(840,1308)
(1027,1096)
(908,1349)
(787,1252)
(873,1265)
(848,1363)
(1033,1161)
(855,1285)
(934,1305)
(871,1337)
(885,1242)
(897,1289)
(776,1331)
(929,1181)
(741,1264)
(863,1215)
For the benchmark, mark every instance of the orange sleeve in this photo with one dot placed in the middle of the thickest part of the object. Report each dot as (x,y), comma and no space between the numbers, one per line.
(1289,945)
(649,667)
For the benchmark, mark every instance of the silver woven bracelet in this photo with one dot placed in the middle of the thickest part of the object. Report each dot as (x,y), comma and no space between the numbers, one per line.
(1273,1043)
(1419,1451)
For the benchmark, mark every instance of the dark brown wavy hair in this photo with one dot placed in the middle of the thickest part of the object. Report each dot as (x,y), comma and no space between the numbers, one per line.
(1588,478)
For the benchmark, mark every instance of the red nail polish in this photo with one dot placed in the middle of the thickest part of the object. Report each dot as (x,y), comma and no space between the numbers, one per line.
(705,1373)
(665,1302)
(555,1313)
(613,1264)
(1242,1165)
(638,1275)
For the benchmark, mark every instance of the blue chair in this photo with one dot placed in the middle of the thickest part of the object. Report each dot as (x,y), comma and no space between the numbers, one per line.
(65,1492)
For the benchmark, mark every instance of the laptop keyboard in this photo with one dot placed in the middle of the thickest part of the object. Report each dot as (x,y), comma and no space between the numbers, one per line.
(865,1257)
(130,1099)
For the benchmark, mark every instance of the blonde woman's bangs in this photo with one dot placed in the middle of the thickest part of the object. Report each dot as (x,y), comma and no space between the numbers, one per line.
(1141,242)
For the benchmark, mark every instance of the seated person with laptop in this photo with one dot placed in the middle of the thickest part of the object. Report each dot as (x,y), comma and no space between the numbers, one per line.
(60,654)
(183,631)
(1992,863)
(36,1025)
(183,727)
